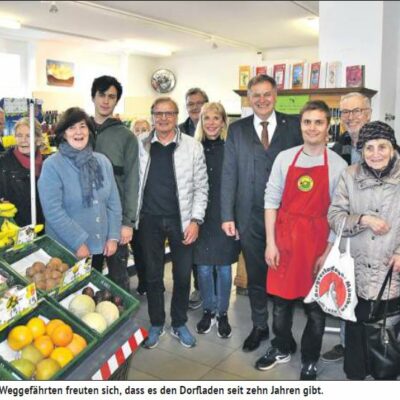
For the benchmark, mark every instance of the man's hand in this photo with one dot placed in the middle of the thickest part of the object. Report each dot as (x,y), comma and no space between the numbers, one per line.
(230,229)
(191,233)
(395,261)
(83,251)
(272,256)
(377,225)
(126,234)
(110,247)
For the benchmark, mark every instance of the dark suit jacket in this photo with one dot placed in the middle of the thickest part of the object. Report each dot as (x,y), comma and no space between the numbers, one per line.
(238,170)
(187,127)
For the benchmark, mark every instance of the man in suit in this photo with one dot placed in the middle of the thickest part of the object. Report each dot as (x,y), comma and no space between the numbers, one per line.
(252,145)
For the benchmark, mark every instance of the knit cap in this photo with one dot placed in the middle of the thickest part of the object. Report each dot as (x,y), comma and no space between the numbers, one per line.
(376,130)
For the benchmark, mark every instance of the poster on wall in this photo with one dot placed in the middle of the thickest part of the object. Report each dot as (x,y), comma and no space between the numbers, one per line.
(60,73)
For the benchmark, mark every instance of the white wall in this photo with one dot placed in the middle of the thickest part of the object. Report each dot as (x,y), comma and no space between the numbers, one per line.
(218,74)
(351,32)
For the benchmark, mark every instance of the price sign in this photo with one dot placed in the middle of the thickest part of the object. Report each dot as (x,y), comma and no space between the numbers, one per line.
(26,234)
(76,273)
(16,302)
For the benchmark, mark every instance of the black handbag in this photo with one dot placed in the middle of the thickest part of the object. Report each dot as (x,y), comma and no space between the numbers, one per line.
(383,339)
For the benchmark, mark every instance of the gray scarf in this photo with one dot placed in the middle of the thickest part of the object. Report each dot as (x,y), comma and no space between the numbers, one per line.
(89,170)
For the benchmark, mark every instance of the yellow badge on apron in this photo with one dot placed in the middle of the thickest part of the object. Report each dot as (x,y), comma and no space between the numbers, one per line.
(305,183)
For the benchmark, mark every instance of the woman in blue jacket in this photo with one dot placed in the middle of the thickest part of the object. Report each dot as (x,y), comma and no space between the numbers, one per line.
(78,192)
(213,249)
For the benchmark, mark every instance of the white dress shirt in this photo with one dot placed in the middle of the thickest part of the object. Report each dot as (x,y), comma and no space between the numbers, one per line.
(271,125)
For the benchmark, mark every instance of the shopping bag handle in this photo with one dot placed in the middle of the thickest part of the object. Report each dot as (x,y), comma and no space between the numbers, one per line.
(339,237)
(388,278)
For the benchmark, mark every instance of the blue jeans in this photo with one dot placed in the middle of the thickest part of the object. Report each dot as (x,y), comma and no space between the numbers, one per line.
(215,302)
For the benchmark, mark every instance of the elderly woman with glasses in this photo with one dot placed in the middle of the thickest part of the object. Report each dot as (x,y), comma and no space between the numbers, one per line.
(368,197)
(78,192)
(15,172)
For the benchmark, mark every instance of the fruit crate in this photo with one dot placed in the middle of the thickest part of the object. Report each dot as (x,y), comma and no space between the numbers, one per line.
(12,277)
(6,374)
(99,281)
(48,311)
(45,243)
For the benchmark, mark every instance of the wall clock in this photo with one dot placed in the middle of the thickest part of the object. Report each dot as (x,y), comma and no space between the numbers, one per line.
(163,81)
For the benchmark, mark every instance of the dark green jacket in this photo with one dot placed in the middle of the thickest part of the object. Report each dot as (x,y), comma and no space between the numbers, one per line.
(120,145)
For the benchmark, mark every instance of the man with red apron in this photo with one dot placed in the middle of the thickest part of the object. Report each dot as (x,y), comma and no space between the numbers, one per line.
(297,200)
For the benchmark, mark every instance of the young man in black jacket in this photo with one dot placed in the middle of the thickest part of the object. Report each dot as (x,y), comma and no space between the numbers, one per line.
(118,143)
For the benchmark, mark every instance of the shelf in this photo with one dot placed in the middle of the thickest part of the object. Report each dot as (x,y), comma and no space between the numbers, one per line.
(324,92)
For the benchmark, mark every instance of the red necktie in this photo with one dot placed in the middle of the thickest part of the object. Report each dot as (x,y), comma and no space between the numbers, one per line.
(264,134)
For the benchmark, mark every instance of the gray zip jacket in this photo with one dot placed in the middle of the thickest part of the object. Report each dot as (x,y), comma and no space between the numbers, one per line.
(360,193)
(190,175)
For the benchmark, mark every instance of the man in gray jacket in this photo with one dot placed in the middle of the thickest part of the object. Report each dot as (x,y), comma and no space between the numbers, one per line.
(116,141)
(172,202)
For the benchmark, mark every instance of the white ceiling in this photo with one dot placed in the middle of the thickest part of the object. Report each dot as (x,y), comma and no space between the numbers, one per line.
(183,26)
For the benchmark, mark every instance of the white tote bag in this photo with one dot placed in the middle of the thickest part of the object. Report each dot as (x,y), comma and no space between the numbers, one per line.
(334,287)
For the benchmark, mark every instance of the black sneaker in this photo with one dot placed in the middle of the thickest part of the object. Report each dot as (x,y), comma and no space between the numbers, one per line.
(272,357)
(309,372)
(224,329)
(206,323)
(333,355)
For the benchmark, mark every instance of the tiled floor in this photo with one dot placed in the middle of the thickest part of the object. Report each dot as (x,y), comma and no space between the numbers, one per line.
(214,358)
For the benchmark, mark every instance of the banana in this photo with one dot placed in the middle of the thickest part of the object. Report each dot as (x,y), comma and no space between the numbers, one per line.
(6,206)
(38,228)
(9,213)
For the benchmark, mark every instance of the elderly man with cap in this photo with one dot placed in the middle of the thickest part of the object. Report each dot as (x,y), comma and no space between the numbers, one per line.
(367,197)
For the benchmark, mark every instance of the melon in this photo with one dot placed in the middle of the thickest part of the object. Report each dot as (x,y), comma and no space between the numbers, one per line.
(95,321)
(108,310)
(81,304)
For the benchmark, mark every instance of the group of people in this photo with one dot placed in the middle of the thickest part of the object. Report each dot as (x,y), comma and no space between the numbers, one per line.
(267,185)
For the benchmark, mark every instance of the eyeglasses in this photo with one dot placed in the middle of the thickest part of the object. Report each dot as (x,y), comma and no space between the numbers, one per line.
(195,105)
(166,114)
(357,112)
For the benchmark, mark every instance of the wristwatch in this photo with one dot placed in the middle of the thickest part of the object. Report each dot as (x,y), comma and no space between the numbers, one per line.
(197,221)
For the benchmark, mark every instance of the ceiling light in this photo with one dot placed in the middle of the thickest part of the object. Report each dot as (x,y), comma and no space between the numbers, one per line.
(9,23)
(313,23)
(53,8)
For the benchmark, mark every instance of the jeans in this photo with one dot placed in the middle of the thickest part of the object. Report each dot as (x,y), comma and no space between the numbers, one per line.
(311,340)
(117,266)
(215,301)
(139,262)
(154,230)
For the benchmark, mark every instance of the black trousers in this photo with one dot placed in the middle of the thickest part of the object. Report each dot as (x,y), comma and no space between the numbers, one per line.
(311,340)
(117,266)
(356,365)
(139,260)
(253,246)
(154,230)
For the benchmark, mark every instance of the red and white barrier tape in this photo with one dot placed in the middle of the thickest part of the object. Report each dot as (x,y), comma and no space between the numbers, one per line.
(120,356)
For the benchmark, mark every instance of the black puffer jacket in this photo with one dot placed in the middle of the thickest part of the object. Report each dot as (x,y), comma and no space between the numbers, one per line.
(15,187)
(213,247)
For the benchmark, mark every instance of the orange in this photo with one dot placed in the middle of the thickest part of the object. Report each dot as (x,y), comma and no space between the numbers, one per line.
(36,326)
(44,345)
(51,325)
(77,344)
(19,337)
(62,355)
(62,335)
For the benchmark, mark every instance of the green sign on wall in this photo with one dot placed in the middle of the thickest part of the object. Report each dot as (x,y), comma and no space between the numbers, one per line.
(291,104)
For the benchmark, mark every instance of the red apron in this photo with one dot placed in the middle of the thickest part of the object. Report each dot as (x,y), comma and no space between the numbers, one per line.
(301,229)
